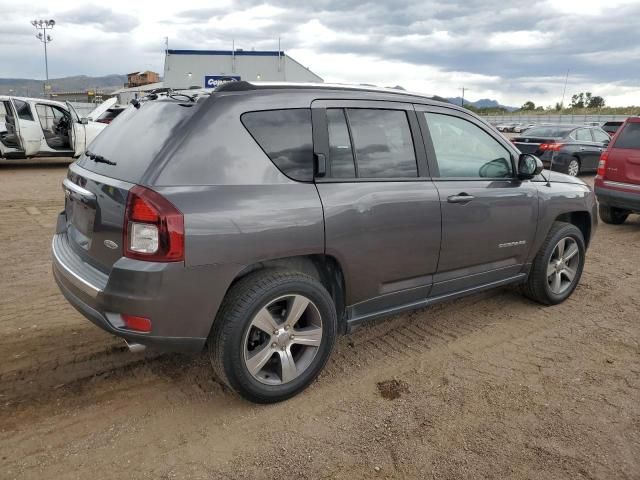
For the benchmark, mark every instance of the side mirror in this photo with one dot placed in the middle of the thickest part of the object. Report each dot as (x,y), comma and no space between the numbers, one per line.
(606,142)
(529,166)
(84,121)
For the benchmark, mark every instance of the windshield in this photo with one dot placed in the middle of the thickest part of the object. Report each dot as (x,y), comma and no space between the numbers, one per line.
(135,137)
(550,131)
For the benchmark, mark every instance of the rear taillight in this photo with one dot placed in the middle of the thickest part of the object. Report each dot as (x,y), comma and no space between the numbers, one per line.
(153,227)
(602,165)
(551,147)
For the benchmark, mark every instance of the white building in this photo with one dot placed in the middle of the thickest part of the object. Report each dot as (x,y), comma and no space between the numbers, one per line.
(208,68)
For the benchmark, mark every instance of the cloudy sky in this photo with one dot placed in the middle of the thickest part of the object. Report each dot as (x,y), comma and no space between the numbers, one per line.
(509,50)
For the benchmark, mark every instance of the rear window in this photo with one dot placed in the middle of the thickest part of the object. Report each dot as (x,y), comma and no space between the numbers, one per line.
(135,139)
(629,137)
(548,132)
(286,137)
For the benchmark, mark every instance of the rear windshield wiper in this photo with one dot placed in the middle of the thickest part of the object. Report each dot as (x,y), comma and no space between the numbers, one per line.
(99,158)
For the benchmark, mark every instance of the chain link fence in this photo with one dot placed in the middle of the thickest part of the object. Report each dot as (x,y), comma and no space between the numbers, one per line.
(553,118)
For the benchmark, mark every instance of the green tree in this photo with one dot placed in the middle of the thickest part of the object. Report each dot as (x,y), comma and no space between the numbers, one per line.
(577,100)
(557,107)
(596,102)
(528,106)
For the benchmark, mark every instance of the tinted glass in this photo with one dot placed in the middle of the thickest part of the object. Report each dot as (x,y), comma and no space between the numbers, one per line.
(135,140)
(465,150)
(24,111)
(583,135)
(600,136)
(629,137)
(286,138)
(340,153)
(552,132)
(383,143)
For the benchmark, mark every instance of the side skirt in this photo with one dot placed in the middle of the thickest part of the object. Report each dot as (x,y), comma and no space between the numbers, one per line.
(354,322)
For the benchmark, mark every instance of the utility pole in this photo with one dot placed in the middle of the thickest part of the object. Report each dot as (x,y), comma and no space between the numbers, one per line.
(566,79)
(44,37)
(463,90)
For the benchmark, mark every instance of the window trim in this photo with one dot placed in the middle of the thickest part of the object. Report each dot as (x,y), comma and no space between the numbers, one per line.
(431,153)
(321,136)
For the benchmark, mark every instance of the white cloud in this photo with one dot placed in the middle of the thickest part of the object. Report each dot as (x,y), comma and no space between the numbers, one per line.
(509,50)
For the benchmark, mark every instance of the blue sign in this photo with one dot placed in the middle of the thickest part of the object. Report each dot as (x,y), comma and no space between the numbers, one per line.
(212,81)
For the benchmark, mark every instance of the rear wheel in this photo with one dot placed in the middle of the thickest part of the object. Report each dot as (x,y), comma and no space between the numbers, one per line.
(273,335)
(557,268)
(612,215)
(573,167)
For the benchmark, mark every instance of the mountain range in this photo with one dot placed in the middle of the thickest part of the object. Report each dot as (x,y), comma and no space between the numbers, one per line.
(27,87)
(482,103)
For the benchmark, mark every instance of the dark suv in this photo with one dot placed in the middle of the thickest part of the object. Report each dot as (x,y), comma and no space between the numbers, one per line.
(264,220)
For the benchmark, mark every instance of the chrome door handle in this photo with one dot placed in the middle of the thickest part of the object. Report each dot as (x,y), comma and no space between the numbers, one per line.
(460,198)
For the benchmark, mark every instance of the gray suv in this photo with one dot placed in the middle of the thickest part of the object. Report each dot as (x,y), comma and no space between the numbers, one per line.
(265,220)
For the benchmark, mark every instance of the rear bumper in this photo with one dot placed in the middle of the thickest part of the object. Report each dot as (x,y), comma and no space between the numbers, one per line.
(618,198)
(181,302)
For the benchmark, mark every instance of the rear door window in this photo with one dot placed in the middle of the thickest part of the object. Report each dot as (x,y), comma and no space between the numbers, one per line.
(629,137)
(23,109)
(382,143)
(583,135)
(341,160)
(286,138)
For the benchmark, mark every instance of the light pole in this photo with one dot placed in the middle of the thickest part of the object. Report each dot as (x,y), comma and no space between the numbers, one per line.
(44,37)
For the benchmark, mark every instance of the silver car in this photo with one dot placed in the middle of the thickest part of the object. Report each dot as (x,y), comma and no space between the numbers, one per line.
(263,220)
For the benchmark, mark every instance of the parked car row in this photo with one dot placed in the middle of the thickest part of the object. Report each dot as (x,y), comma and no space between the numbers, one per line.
(520,127)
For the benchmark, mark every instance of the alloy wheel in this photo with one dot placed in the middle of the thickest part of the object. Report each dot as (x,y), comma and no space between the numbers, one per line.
(282,340)
(563,265)
(574,168)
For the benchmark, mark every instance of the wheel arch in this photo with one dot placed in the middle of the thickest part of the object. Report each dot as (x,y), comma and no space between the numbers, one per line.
(579,218)
(324,268)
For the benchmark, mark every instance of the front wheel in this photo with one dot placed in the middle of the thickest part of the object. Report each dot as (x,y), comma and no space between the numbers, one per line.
(557,268)
(273,335)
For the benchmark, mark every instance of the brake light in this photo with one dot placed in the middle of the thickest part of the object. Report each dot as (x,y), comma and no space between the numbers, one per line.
(153,227)
(552,147)
(602,165)
(139,324)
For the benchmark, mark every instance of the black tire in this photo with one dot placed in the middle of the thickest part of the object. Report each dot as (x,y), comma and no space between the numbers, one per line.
(612,215)
(537,287)
(244,299)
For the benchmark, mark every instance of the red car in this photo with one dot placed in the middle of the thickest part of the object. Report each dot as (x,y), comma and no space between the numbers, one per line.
(617,183)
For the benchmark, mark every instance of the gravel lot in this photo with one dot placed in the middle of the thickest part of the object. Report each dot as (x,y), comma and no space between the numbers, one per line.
(491,386)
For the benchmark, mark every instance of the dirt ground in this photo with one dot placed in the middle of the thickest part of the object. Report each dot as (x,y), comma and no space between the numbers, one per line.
(490,386)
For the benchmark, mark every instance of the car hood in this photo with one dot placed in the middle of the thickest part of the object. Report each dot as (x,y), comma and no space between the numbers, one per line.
(558,177)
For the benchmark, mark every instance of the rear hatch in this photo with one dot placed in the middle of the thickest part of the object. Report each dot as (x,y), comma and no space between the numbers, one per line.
(97,185)
(623,162)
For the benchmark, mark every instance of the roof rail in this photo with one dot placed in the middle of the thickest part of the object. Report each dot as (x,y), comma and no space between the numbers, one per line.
(242,85)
